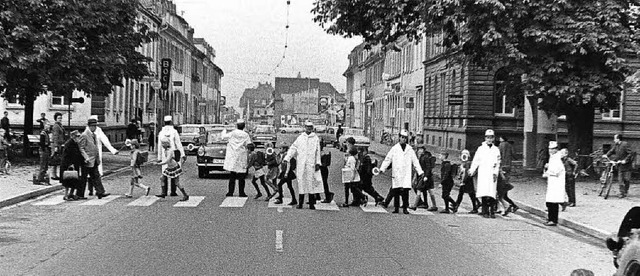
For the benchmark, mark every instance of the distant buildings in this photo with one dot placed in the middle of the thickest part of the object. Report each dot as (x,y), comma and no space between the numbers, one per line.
(257,104)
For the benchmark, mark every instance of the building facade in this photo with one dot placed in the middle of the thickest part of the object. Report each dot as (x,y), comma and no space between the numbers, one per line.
(257,104)
(299,99)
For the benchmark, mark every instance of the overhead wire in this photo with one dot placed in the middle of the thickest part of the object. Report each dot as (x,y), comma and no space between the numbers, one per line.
(286,42)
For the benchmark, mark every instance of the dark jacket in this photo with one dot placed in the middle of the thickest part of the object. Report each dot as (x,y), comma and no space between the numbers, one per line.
(44,140)
(621,151)
(256,160)
(292,171)
(272,160)
(506,154)
(132,131)
(365,169)
(71,156)
(446,171)
(325,158)
(427,163)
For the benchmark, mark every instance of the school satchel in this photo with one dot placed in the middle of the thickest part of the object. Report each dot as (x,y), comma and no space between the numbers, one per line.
(348,175)
(142,157)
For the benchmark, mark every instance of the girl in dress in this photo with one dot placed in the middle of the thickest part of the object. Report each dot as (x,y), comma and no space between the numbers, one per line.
(173,170)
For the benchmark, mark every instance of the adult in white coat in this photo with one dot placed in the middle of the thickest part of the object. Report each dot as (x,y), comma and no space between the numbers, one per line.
(401,157)
(235,160)
(169,132)
(103,140)
(555,174)
(306,150)
(486,167)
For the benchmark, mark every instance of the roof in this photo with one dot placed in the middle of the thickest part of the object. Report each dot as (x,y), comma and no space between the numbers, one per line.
(326,89)
(295,85)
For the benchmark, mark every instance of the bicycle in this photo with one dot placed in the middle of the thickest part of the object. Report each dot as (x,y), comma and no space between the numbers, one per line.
(606,179)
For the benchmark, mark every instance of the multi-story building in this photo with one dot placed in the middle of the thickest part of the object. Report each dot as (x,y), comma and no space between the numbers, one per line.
(257,104)
(299,99)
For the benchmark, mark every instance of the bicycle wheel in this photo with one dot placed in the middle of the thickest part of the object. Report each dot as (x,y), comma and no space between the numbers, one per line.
(609,184)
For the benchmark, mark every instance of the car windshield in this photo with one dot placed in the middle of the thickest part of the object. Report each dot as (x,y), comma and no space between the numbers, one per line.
(215,136)
(265,129)
(190,129)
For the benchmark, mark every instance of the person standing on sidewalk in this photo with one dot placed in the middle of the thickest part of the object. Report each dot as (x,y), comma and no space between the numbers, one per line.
(621,152)
(339,133)
(151,139)
(402,158)
(570,168)
(555,174)
(4,124)
(170,133)
(57,141)
(306,149)
(235,160)
(486,167)
(45,154)
(43,120)
(504,183)
(89,149)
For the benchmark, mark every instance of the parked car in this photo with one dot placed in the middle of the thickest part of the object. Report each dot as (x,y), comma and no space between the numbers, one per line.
(263,134)
(291,129)
(328,135)
(211,153)
(360,140)
(625,245)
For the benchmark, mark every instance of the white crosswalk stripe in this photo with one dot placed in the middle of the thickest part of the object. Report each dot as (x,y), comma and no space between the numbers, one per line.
(102,201)
(372,208)
(420,211)
(192,202)
(233,202)
(144,201)
(331,206)
(54,200)
(284,204)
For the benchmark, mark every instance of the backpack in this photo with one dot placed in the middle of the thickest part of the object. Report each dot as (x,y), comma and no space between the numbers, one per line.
(142,157)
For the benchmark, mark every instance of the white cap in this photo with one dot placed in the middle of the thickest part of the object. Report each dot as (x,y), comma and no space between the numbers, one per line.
(489,132)
(404,133)
(553,144)
(240,121)
(168,118)
(308,123)
(94,117)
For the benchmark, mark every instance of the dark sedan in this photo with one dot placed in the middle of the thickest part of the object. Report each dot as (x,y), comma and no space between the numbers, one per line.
(212,153)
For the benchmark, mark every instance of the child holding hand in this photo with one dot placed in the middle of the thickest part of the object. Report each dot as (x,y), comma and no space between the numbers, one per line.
(135,169)
(172,171)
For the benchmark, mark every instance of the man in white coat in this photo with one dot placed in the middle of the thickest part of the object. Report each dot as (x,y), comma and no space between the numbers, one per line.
(101,139)
(170,133)
(555,174)
(486,167)
(235,160)
(306,150)
(401,157)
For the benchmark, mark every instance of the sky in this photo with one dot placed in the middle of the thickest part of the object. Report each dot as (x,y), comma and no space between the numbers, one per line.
(249,38)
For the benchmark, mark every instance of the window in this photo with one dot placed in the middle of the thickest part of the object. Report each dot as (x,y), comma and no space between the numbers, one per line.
(59,100)
(501,106)
(614,114)
(12,100)
(459,144)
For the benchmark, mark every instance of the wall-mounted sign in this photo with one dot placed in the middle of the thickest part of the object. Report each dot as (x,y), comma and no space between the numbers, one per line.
(455,99)
(165,73)
(177,83)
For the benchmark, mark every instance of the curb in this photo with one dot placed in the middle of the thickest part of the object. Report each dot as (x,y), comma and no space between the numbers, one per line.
(577,226)
(50,189)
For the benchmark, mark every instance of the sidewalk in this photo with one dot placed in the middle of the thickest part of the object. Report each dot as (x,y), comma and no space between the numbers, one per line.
(18,186)
(593,215)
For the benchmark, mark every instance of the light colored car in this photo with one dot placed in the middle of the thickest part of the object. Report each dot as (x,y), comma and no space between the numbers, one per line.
(328,135)
(211,154)
(360,140)
(625,245)
(291,129)
(190,136)
(263,134)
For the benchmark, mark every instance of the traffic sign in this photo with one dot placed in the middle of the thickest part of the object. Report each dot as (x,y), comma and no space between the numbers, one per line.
(156,84)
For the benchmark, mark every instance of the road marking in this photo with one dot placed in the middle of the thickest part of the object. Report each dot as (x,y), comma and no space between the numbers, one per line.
(285,202)
(54,200)
(144,201)
(279,246)
(101,201)
(234,202)
(421,212)
(192,202)
(373,209)
(331,206)
(280,210)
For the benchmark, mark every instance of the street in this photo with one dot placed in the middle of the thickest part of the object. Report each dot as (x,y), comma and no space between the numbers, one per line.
(159,238)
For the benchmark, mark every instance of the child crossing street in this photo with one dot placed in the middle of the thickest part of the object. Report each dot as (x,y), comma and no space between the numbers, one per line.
(137,159)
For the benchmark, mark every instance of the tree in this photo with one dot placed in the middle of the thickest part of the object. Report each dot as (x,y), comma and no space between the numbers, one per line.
(572,54)
(61,45)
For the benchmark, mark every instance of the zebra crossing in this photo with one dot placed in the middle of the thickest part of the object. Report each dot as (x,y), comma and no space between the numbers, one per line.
(229,202)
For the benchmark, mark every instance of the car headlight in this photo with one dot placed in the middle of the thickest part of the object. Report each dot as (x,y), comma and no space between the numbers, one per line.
(201,151)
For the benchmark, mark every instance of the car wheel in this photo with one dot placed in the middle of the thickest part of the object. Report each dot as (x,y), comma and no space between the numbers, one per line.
(632,269)
(282,131)
(202,172)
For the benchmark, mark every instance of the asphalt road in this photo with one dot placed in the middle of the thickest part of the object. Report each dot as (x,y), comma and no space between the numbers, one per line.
(116,239)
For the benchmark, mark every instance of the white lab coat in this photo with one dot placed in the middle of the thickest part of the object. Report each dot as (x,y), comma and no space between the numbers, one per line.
(172,134)
(401,163)
(486,167)
(235,159)
(102,139)
(555,180)
(306,150)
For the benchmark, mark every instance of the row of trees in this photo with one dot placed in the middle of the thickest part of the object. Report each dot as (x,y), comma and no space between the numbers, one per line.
(61,45)
(572,55)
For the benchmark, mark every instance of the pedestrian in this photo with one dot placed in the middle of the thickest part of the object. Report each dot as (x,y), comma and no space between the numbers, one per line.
(402,158)
(306,149)
(71,160)
(101,139)
(621,152)
(43,120)
(151,140)
(271,159)
(504,184)
(325,162)
(4,150)
(351,143)
(424,185)
(467,182)
(486,167)
(447,172)
(171,134)
(4,124)
(555,174)
(57,141)
(287,175)
(256,160)
(366,165)
(136,171)
(171,169)
(571,170)
(352,180)
(89,149)
(235,160)
(339,132)
(45,155)
(132,129)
